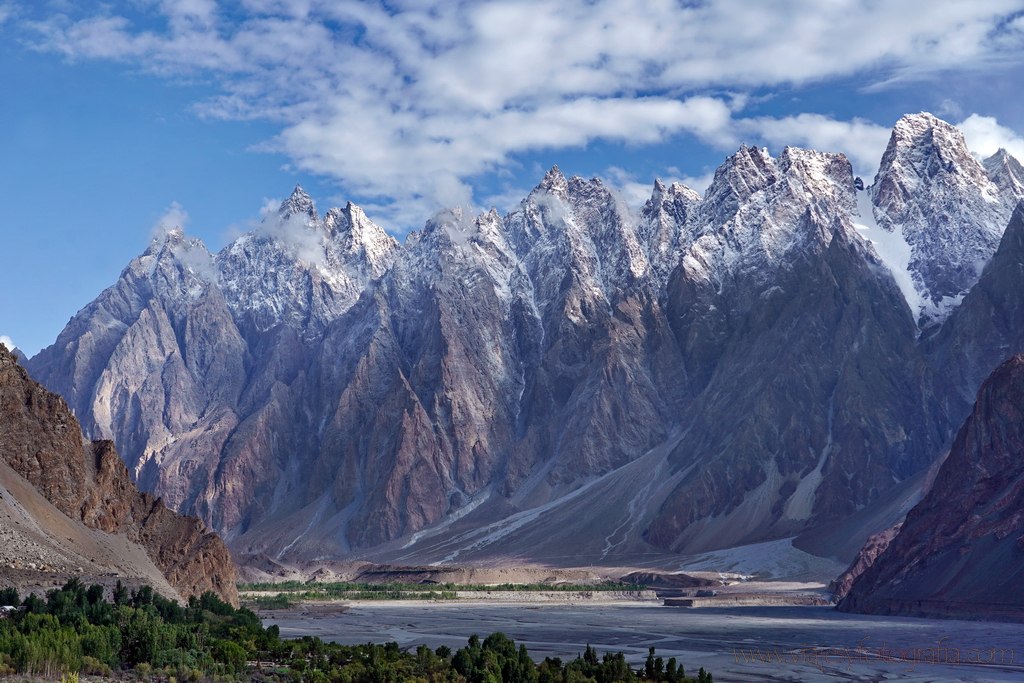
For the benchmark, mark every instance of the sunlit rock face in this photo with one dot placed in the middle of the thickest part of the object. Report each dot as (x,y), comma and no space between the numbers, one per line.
(41,442)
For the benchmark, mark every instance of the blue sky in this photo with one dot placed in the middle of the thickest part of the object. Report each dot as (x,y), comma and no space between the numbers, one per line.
(118,116)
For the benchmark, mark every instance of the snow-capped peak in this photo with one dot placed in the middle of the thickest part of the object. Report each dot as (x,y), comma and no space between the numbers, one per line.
(178,266)
(459,228)
(298,270)
(554,182)
(355,240)
(659,190)
(675,201)
(751,182)
(663,193)
(824,180)
(662,226)
(922,146)
(173,243)
(758,210)
(1007,173)
(174,235)
(931,190)
(939,217)
(749,170)
(299,204)
(350,221)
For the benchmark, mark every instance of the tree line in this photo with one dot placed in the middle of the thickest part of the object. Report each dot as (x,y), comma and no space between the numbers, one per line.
(75,629)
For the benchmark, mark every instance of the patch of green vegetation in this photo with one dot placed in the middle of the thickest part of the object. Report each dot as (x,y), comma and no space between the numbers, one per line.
(299,591)
(75,630)
(555,587)
(279,601)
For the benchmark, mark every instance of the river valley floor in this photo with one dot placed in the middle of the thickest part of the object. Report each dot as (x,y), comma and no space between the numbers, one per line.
(799,643)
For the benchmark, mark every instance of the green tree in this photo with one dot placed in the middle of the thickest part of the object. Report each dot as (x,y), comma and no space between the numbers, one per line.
(673,673)
(230,654)
(33,604)
(9,597)
(140,635)
(142,597)
(94,595)
(120,594)
(102,643)
(550,670)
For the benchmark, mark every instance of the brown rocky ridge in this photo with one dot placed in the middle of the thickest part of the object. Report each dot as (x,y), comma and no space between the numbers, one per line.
(960,552)
(875,546)
(41,448)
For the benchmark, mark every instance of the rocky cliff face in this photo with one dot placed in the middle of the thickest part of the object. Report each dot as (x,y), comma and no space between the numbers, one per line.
(724,369)
(41,441)
(496,361)
(808,368)
(960,551)
(987,327)
(875,546)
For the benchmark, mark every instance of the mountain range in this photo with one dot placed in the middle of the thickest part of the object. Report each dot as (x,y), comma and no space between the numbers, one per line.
(573,381)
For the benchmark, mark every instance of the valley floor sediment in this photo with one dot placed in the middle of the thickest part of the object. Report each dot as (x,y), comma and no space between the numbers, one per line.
(736,644)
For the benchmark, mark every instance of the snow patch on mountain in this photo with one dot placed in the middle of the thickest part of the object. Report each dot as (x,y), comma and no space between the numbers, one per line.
(892,248)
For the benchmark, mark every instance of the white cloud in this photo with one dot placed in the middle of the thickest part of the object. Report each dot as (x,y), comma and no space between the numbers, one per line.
(174,217)
(628,187)
(505,200)
(404,104)
(635,192)
(428,157)
(949,108)
(191,13)
(863,142)
(985,137)
(305,242)
(698,183)
(7,342)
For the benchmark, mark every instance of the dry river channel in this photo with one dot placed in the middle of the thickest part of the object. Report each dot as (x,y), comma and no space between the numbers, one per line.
(734,643)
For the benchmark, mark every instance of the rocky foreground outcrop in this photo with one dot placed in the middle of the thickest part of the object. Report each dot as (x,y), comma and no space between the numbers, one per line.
(873,547)
(960,552)
(41,441)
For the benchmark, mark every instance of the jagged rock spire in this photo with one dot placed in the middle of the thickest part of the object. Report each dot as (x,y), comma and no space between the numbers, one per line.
(299,204)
